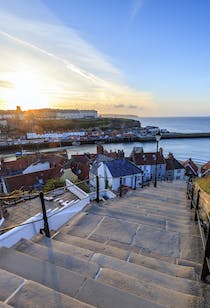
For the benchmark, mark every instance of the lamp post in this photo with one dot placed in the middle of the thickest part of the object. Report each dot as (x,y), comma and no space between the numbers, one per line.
(157,138)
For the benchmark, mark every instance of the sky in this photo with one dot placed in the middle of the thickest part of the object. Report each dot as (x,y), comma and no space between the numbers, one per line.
(136,57)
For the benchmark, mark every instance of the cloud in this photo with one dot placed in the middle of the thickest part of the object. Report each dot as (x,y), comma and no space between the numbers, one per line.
(70,71)
(6,84)
(132,106)
(135,8)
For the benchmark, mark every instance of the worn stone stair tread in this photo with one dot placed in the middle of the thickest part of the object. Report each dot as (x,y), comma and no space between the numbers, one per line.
(112,248)
(3,305)
(149,219)
(55,277)
(62,280)
(158,265)
(35,295)
(88,269)
(58,258)
(104,296)
(8,284)
(182,285)
(67,248)
(154,207)
(151,291)
(141,211)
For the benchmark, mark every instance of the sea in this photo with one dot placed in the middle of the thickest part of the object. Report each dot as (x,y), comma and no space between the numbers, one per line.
(196,148)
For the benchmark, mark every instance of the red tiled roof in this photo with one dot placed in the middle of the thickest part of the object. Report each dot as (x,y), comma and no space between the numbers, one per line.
(11,167)
(80,158)
(205,168)
(190,167)
(16,165)
(148,158)
(28,180)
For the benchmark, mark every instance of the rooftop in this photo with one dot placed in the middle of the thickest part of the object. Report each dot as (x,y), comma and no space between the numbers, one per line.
(122,167)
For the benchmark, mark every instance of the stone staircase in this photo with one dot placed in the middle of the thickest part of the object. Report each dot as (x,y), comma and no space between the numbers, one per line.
(143,250)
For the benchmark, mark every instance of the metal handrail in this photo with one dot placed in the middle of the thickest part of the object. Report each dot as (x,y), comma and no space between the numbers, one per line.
(204,227)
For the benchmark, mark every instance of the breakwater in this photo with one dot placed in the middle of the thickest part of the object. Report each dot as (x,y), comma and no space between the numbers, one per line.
(47,145)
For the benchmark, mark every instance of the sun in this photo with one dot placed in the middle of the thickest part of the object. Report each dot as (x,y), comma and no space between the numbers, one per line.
(27,91)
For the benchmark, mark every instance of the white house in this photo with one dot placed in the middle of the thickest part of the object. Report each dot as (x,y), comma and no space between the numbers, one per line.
(115,172)
(147,163)
(174,169)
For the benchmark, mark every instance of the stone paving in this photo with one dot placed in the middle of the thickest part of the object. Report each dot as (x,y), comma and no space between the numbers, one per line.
(142,250)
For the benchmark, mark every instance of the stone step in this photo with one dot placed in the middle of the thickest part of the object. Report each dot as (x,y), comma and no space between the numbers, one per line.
(67,282)
(104,296)
(54,277)
(60,259)
(57,258)
(180,206)
(136,205)
(109,245)
(3,305)
(148,219)
(35,295)
(141,273)
(72,243)
(9,283)
(162,242)
(20,293)
(152,204)
(149,291)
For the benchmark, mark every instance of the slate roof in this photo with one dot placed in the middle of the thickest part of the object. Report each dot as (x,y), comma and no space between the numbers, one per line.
(99,159)
(122,167)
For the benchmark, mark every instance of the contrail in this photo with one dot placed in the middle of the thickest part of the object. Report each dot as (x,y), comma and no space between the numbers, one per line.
(69,65)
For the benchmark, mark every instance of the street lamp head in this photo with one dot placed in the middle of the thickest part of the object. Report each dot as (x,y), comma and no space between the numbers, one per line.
(158,136)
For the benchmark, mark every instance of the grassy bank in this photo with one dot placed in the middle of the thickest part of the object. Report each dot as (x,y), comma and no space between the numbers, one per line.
(102,123)
(204,183)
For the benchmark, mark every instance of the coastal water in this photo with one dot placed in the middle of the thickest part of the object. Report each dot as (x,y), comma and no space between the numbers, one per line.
(198,148)
(180,124)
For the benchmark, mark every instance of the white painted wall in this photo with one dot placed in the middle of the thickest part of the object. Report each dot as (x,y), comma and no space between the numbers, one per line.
(31,135)
(56,218)
(179,174)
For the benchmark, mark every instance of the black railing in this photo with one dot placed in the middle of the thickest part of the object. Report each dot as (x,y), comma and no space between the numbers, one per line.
(202,217)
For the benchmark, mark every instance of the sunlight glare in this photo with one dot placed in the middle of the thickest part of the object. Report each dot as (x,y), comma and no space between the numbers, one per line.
(27,91)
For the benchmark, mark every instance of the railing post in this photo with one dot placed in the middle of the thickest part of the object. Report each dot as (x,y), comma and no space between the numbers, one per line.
(120,186)
(135,179)
(97,189)
(205,268)
(192,197)
(46,226)
(197,206)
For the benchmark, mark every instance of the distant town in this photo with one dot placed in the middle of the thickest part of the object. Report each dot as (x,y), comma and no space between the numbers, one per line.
(42,128)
